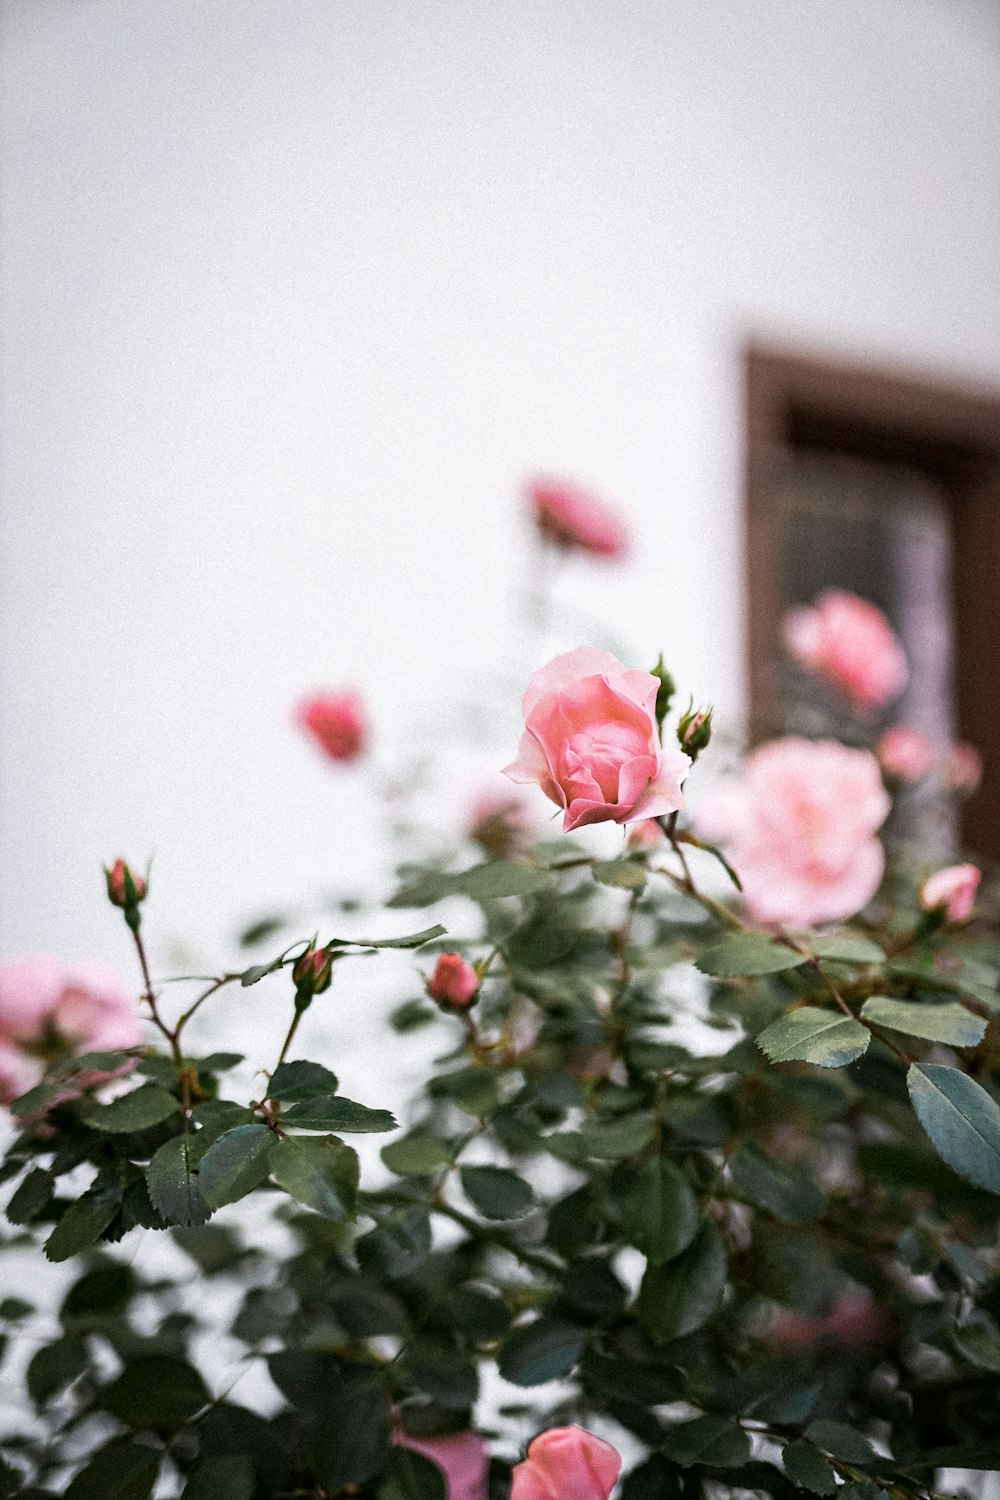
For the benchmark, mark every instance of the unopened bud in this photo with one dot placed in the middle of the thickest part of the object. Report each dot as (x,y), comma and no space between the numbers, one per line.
(312,973)
(124,888)
(665,692)
(694,731)
(454,982)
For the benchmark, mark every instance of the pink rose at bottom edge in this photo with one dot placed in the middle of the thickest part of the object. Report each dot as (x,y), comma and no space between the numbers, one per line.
(566,1463)
(951,890)
(461,1456)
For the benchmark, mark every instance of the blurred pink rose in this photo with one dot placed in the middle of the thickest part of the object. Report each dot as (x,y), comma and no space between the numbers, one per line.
(499,821)
(336,721)
(18,1073)
(963,770)
(571,517)
(951,890)
(799,825)
(592,744)
(854,1321)
(454,982)
(85,1006)
(461,1456)
(905,753)
(850,644)
(566,1463)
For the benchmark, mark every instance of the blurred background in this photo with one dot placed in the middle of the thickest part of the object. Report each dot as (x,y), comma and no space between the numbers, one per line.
(296,292)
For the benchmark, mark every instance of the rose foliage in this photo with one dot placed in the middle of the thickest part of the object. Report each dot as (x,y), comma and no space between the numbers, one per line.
(752,1252)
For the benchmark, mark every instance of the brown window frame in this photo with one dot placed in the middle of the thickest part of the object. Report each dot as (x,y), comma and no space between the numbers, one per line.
(951,432)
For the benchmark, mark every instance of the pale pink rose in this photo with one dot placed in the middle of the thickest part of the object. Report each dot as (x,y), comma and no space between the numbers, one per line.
(30,989)
(905,753)
(85,1006)
(571,517)
(461,1456)
(963,770)
(454,982)
(799,826)
(951,890)
(849,643)
(592,744)
(566,1463)
(336,721)
(18,1073)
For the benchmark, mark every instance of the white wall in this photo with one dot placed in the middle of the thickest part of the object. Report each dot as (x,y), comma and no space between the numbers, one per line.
(294,291)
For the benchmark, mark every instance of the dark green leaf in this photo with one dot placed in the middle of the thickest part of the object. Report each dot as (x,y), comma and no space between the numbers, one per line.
(660,1215)
(55,1366)
(217,1062)
(333,1112)
(121,1471)
(411,1476)
(347,1411)
(841,1441)
(32,1196)
(411,940)
(962,1120)
(746,953)
(98,1293)
(235,1164)
(155,1393)
(616,1139)
(627,1380)
(449,1378)
(260,930)
(678,1297)
(83,1223)
(500,878)
(416,1155)
(626,874)
(147,1106)
(318,1171)
(783,1189)
(949,1022)
(547,1349)
(398,1245)
(850,949)
(978,1342)
(173,1184)
(294,1081)
(711,1441)
(497,1192)
(227,1477)
(806,1467)
(824,1037)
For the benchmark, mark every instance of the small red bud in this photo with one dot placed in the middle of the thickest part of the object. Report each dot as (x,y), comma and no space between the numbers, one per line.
(124,888)
(694,731)
(313,972)
(454,982)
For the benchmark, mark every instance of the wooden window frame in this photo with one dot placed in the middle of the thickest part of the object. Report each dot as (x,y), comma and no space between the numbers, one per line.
(952,433)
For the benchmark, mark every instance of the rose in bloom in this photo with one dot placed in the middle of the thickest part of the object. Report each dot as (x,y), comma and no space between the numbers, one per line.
(569,516)
(799,825)
(454,982)
(336,722)
(566,1463)
(963,769)
(952,891)
(905,753)
(592,744)
(462,1458)
(849,643)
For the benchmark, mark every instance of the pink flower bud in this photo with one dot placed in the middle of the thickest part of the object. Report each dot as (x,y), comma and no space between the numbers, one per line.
(694,731)
(313,972)
(963,769)
(569,516)
(850,644)
(951,891)
(336,722)
(566,1463)
(645,835)
(124,887)
(454,982)
(499,822)
(905,753)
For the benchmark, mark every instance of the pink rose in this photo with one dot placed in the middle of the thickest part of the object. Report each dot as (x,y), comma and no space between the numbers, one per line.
(499,821)
(462,1458)
(963,769)
(850,644)
(905,753)
(799,825)
(336,722)
(86,1006)
(854,1320)
(571,517)
(592,744)
(454,982)
(646,835)
(951,890)
(566,1463)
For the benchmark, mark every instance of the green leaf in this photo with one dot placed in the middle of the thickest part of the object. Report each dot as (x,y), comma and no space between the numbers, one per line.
(121,1471)
(615,1139)
(320,1172)
(397,1246)
(806,1467)
(333,1112)
(411,1476)
(660,1215)
(411,940)
(547,1349)
(626,874)
(54,1367)
(93,1062)
(235,1164)
(978,1342)
(823,1037)
(786,1191)
(497,1192)
(293,1081)
(746,953)
(83,1223)
(841,1441)
(850,949)
(416,1155)
(172,1182)
(147,1106)
(227,1476)
(950,1023)
(680,1296)
(347,1413)
(711,1441)
(32,1196)
(962,1120)
(155,1393)
(500,878)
